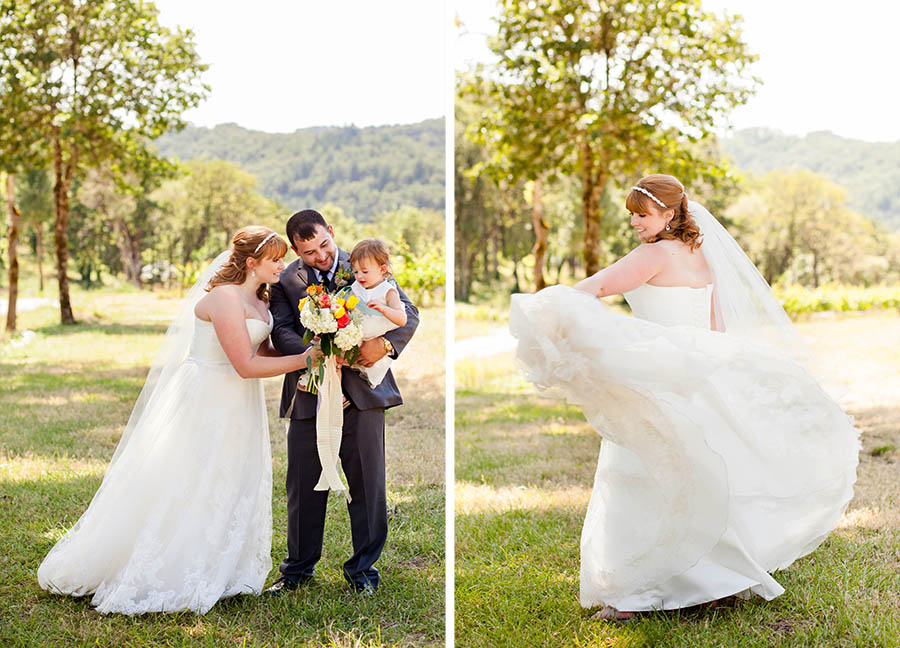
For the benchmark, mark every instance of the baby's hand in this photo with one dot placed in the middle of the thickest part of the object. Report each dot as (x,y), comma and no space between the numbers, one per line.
(376,306)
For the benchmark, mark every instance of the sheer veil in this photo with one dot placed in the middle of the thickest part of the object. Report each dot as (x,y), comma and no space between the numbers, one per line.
(744,303)
(170,356)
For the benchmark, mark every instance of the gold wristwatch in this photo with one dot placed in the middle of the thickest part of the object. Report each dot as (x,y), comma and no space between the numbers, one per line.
(388,347)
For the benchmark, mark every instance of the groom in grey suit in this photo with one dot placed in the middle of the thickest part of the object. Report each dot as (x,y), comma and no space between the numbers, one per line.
(362,443)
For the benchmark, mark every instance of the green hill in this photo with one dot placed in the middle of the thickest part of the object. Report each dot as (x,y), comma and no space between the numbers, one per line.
(365,171)
(870,171)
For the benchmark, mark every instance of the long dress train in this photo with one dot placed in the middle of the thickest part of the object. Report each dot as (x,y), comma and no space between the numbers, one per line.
(722,460)
(183,517)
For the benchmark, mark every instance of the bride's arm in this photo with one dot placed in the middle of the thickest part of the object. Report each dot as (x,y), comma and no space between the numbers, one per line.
(266,349)
(226,311)
(635,268)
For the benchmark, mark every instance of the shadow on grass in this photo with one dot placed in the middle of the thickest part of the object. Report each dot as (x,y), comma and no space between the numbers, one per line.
(44,377)
(483,408)
(113,328)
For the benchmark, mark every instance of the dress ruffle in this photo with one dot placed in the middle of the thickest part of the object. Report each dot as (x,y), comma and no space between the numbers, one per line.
(722,461)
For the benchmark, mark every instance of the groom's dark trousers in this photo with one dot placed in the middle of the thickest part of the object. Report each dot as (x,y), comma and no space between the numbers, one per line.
(362,443)
(362,459)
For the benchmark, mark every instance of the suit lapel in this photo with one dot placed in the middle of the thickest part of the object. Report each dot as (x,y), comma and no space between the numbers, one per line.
(308,275)
(343,264)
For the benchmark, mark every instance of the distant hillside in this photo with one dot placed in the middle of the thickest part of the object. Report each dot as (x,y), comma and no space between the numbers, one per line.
(870,171)
(365,171)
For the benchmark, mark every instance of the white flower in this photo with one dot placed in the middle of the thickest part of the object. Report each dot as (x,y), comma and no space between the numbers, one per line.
(316,320)
(348,337)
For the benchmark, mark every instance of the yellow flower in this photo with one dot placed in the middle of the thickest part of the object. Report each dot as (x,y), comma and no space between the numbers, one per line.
(302,303)
(339,301)
(352,301)
(339,313)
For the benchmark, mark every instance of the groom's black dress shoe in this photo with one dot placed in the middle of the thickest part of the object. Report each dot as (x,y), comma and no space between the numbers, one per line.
(283,585)
(362,584)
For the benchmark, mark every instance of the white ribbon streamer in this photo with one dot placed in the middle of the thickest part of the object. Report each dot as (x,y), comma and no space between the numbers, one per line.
(329,428)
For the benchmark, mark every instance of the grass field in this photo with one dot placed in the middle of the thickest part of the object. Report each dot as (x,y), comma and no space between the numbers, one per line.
(524,470)
(64,400)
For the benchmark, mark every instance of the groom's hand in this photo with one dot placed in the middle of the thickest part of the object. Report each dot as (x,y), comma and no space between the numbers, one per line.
(371,351)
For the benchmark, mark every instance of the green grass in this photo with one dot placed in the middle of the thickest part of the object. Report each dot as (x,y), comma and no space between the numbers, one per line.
(64,400)
(524,470)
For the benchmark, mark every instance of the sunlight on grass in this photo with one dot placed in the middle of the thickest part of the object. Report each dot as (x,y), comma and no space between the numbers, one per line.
(870,518)
(31,467)
(480,498)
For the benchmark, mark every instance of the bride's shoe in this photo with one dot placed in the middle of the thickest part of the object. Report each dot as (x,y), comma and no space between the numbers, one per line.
(609,613)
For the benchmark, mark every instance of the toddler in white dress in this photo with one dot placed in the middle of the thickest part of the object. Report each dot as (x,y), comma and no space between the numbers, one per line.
(379,300)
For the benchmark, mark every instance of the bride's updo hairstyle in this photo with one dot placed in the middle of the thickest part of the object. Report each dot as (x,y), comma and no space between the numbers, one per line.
(671,193)
(253,241)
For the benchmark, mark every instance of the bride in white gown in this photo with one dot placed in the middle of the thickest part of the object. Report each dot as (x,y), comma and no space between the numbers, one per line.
(183,516)
(722,458)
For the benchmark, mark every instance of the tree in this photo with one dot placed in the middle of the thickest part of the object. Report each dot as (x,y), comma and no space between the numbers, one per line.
(116,210)
(13,237)
(794,225)
(35,198)
(205,206)
(94,79)
(606,89)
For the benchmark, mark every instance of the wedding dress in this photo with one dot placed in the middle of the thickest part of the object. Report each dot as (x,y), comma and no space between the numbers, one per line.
(722,458)
(183,517)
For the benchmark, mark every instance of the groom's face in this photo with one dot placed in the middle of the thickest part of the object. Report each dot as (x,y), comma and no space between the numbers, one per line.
(318,251)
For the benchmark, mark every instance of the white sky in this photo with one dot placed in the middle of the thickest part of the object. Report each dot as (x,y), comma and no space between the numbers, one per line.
(824,65)
(280,65)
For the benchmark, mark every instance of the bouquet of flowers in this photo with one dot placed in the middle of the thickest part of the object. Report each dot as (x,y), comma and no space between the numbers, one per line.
(331,322)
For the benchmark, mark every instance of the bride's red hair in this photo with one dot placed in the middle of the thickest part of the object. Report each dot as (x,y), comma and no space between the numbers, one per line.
(671,192)
(244,246)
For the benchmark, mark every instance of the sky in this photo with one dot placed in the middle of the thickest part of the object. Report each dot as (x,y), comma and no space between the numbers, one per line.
(824,65)
(279,65)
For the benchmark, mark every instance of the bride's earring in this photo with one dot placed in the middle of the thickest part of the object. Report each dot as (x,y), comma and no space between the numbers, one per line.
(668,227)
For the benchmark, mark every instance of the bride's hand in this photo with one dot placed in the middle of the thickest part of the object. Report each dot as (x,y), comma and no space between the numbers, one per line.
(312,353)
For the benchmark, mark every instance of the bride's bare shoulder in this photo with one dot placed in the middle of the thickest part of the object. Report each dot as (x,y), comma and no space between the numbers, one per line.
(656,249)
(219,298)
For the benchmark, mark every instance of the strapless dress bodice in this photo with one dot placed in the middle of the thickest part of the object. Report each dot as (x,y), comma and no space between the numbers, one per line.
(205,345)
(672,305)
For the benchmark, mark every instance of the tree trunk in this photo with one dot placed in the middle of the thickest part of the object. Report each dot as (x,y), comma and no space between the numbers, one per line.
(13,236)
(39,252)
(485,251)
(62,182)
(541,231)
(815,270)
(516,286)
(130,251)
(590,204)
(495,257)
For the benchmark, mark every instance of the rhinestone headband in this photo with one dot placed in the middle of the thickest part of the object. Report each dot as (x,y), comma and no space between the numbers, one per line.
(652,197)
(265,240)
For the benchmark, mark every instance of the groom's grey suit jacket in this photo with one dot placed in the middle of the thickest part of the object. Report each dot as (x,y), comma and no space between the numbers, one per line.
(287,337)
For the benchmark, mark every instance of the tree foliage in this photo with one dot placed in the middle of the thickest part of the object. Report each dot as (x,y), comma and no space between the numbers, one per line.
(870,171)
(88,81)
(795,226)
(609,89)
(365,171)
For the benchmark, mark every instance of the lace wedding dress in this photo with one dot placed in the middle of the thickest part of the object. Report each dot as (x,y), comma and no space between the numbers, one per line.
(183,517)
(722,459)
